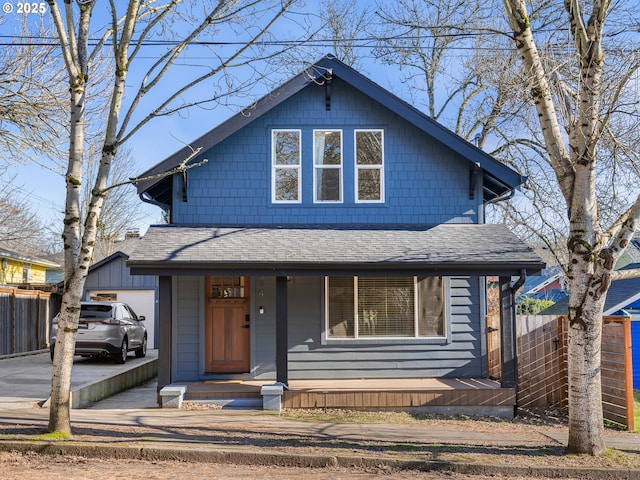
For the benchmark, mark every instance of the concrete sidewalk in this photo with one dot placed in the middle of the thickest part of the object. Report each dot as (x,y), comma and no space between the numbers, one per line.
(130,425)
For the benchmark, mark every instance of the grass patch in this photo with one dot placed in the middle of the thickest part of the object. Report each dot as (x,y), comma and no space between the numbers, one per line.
(348,416)
(53,436)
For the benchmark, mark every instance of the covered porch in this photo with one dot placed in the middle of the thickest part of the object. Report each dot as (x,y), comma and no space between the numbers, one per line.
(448,250)
(419,395)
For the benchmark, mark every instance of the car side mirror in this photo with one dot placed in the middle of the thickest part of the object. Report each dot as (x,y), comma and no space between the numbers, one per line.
(141,318)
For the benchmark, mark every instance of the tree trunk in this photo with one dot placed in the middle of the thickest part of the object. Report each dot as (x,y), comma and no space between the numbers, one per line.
(586,428)
(59,410)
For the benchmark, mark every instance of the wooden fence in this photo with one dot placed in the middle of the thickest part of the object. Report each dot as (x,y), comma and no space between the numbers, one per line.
(24,320)
(542,364)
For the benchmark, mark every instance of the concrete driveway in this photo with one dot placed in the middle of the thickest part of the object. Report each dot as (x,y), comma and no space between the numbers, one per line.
(27,379)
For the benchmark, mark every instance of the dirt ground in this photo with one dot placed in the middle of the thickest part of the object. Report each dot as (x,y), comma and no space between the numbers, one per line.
(541,452)
(16,466)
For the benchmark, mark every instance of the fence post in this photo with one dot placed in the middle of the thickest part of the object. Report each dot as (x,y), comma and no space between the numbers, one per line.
(628,373)
(13,322)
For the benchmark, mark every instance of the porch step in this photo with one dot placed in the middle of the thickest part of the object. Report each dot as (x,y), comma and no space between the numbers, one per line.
(228,395)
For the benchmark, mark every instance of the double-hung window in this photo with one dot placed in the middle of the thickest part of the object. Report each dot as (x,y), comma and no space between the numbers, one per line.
(394,307)
(286,160)
(327,162)
(369,166)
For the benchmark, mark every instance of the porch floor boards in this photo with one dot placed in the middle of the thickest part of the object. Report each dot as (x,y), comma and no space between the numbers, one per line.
(365,393)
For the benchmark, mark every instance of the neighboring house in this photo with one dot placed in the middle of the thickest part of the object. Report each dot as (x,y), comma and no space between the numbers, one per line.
(548,286)
(55,275)
(335,234)
(109,279)
(20,269)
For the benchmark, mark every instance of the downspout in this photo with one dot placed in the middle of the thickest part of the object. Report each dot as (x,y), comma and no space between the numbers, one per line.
(514,289)
(516,286)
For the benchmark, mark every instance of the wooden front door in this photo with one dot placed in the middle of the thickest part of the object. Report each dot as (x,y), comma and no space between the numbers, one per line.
(227,325)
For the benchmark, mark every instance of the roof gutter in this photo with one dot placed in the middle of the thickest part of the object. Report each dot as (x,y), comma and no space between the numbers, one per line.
(145,198)
(504,197)
(508,195)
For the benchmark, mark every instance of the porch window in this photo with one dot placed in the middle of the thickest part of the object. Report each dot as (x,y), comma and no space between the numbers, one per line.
(363,307)
(327,161)
(286,160)
(369,166)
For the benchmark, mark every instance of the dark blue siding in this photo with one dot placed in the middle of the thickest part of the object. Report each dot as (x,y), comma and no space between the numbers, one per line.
(425,182)
(310,357)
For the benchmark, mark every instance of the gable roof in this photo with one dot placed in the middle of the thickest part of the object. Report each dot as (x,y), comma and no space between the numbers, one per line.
(446,249)
(30,259)
(498,179)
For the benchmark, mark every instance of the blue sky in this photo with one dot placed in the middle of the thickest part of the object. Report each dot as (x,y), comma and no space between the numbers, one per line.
(160,138)
(165,135)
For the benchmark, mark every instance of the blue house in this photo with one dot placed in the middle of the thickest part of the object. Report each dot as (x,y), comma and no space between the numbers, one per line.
(334,243)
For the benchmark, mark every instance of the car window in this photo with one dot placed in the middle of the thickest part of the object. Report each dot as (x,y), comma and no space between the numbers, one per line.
(132,314)
(95,311)
(119,313)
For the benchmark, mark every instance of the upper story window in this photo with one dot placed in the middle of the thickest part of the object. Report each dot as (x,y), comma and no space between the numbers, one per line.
(286,161)
(369,165)
(327,162)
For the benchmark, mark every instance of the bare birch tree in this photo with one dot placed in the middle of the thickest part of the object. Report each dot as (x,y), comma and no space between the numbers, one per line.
(183,23)
(575,151)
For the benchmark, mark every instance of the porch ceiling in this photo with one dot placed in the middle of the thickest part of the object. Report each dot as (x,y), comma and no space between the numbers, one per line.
(447,249)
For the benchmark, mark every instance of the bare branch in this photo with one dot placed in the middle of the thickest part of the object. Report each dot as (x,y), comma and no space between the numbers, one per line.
(182,167)
(625,274)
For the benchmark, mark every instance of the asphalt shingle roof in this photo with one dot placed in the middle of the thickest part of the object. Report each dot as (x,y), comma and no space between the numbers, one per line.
(449,247)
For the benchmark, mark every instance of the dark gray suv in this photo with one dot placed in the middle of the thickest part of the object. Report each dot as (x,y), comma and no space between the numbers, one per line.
(107,329)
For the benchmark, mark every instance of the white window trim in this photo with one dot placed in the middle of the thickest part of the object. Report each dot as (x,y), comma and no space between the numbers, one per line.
(356,336)
(357,167)
(275,167)
(340,166)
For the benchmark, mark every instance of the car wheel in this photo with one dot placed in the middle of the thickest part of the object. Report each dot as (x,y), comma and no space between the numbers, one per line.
(142,351)
(121,356)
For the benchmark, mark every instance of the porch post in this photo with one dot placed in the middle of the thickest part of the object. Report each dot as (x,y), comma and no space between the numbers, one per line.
(282,340)
(508,334)
(165,332)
